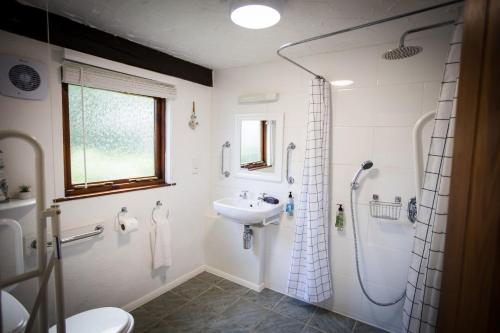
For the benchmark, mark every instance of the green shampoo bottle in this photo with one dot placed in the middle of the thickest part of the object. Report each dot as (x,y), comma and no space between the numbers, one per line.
(339,221)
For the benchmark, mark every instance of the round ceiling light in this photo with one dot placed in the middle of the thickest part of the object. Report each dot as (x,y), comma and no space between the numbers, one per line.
(255,14)
(342,83)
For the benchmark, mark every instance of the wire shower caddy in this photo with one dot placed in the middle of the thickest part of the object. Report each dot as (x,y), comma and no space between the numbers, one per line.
(385,210)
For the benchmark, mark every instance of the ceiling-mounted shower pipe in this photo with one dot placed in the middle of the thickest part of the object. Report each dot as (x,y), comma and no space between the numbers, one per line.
(361,26)
(403,51)
(427,27)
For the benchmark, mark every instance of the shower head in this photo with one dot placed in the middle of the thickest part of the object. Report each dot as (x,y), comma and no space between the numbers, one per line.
(402,52)
(364,166)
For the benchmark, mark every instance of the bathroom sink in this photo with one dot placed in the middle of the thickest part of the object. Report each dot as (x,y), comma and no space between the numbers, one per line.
(247,211)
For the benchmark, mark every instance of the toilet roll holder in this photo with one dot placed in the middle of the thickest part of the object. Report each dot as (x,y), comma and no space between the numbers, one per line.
(122,211)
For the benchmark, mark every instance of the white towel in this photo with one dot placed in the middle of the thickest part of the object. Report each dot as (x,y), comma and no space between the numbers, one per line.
(162,248)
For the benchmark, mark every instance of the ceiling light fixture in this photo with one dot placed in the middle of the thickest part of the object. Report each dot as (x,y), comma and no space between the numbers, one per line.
(255,14)
(342,83)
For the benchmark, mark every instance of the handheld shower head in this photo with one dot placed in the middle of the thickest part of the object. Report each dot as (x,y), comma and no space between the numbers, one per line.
(364,166)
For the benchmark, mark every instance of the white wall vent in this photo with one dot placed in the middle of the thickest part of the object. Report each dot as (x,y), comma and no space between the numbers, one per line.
(23,78)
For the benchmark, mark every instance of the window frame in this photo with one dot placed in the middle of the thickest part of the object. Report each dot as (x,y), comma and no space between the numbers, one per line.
(75,191)
(262,163)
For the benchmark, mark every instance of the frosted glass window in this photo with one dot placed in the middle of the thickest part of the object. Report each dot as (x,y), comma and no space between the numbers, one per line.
(251,141)
(113,138)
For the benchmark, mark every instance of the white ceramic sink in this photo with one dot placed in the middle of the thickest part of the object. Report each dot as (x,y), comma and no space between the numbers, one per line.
(247,211)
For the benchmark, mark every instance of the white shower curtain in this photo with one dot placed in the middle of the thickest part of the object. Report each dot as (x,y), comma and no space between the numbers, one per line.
(424,276)
(309,277)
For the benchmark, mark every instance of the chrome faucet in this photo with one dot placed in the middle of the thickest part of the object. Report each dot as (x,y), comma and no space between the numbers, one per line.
(262,196)
(244,194)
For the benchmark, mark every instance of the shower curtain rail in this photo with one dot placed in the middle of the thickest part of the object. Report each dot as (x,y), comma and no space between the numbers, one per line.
(361,26)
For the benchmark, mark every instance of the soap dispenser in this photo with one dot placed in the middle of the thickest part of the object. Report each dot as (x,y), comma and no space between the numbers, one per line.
(339,221)
(289,206)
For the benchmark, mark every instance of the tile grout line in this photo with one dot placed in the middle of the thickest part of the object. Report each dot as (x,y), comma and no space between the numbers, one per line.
(219,315)
(192,301)
(278,302)
(189,300)
(271,309)
(354,326)
(309,321)
(163,316)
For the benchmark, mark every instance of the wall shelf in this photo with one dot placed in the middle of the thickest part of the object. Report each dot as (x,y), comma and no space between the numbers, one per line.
(17,203)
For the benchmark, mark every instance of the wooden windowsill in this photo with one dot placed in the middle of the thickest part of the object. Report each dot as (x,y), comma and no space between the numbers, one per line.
(256,166)
(122,190)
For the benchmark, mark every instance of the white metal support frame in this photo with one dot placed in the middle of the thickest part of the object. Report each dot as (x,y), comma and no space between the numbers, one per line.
(43,270)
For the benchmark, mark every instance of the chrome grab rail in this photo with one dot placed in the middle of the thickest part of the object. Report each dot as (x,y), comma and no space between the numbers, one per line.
(289,178)
(224,173)
(99,229)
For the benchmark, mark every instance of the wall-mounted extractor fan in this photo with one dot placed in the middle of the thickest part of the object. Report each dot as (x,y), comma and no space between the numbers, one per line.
(22,78)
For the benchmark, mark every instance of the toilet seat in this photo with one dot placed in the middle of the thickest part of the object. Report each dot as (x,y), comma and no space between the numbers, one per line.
(14,314)
(100,320)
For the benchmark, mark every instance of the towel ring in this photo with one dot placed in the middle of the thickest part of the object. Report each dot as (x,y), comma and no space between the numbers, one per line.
(158,206)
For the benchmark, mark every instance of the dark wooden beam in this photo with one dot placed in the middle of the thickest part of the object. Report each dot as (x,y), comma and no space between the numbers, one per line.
(32,22)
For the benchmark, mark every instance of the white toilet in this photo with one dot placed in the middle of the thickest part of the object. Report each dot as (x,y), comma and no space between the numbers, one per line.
(101,320)
(14,314)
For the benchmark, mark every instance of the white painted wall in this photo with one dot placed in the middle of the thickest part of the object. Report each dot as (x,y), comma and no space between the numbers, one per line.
(372,119)
(113,270)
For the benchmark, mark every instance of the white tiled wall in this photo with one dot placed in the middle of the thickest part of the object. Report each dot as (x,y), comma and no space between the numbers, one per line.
(372,119)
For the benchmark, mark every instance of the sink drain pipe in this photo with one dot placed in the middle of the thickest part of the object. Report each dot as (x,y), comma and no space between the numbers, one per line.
(247,237)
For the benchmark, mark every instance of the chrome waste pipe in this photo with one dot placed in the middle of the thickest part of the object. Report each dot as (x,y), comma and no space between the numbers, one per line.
(247,237)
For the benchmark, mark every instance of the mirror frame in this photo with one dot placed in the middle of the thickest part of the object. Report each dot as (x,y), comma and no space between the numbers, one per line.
(260,174)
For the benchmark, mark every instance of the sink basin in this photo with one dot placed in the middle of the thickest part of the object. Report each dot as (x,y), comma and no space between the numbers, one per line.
(246,211)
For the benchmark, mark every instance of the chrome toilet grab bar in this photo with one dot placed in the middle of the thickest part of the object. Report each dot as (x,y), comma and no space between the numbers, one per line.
(289,178)
(99,229)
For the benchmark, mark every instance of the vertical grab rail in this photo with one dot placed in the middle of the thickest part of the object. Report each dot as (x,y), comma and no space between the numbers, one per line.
(417,151)
(225,173)
(289,149)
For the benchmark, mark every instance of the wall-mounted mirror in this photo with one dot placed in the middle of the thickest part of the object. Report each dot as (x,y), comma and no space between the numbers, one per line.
(259,147)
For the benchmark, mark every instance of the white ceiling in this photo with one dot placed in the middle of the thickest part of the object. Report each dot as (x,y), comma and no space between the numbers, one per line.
(201,31)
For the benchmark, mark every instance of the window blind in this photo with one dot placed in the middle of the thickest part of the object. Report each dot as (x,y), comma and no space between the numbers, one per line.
(100,78)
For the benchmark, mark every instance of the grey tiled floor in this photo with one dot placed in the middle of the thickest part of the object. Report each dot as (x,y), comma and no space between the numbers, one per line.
(208,303)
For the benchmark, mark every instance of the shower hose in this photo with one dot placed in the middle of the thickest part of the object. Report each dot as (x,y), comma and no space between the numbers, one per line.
(356,254)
